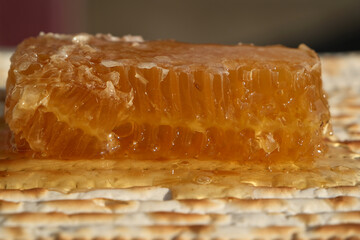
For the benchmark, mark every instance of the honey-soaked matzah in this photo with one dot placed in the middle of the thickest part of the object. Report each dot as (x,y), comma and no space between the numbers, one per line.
(52,199)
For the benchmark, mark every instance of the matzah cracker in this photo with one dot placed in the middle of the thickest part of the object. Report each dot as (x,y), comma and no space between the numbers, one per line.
(144,193)
(192,206)
(158,213)
(341,231)
(5,55)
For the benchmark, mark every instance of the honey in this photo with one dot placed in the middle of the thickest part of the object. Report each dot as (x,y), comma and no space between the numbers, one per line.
(186,178)
(90,97)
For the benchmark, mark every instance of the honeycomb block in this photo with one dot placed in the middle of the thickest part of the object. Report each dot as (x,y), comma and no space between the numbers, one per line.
(83,96)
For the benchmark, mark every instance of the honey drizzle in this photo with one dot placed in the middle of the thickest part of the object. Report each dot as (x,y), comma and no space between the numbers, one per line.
(190,178)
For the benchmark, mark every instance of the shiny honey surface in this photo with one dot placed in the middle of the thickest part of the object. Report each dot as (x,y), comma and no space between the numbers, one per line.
(190,178)
(90,97)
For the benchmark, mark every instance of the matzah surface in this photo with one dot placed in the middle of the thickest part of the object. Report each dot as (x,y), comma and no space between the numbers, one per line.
(5,55)
(152,213)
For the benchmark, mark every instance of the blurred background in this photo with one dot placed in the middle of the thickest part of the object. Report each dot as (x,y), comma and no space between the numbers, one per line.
(326,26)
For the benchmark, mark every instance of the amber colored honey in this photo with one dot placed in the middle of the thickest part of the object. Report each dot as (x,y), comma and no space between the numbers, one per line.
(186,178)
(86,97)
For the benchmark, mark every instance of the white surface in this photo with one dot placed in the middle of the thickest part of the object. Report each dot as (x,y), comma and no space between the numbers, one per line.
(5,55)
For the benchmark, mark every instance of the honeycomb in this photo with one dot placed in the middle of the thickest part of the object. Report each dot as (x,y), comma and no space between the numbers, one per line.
(88,97)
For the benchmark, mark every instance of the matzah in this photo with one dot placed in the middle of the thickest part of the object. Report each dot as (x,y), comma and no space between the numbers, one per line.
(249,212)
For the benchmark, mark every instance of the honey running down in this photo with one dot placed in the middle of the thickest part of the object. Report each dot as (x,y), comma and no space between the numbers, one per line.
(100,96)
(185,178)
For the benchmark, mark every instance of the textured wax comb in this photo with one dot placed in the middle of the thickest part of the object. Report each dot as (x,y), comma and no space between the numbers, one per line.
(84,96)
